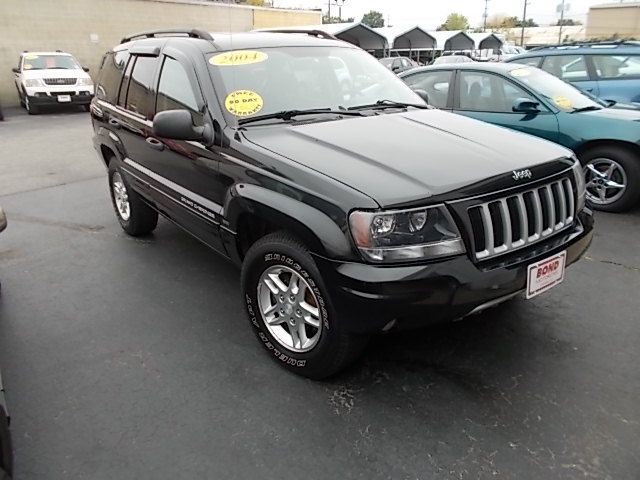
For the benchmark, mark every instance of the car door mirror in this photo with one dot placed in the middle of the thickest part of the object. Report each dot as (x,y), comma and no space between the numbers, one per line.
(525,105)
(422,94)
(395,68)
(178,125)
(15,70)
(86,69)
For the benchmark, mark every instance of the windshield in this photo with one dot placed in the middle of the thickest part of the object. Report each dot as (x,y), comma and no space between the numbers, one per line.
(42,62)
(271,80)
(561,94)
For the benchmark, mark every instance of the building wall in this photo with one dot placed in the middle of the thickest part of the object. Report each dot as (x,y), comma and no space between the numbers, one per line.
(621,20)
(88,28)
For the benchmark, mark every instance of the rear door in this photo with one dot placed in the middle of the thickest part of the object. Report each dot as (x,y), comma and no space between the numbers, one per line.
(490,97)
(618,76)
(574,69)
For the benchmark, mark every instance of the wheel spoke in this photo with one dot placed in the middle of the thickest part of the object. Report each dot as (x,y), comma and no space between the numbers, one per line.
(270,309)
(275,278)
(295,337)
(273,320)
(595,171)
(612,184)
(313,311)
(314,322)
(302,335)
(271,286)
(294,284)
(602,193)
(609,173)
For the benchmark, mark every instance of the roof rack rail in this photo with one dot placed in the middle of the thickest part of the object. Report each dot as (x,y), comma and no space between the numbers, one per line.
(588,44)
(193,33)
(313,33)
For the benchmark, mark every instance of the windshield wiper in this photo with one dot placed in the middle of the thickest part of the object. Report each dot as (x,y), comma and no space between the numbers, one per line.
(586,109)
(289,114)
(381,104)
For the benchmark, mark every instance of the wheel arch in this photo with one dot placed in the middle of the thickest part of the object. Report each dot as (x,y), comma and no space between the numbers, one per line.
(250,205)
(586,146)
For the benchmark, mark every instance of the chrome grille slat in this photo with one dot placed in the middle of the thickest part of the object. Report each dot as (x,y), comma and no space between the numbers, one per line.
(559,213)
(60,81)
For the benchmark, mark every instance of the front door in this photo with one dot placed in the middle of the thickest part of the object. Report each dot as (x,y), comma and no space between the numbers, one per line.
(490,97)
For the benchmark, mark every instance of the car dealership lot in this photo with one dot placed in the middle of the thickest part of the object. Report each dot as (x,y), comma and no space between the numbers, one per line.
(132,358)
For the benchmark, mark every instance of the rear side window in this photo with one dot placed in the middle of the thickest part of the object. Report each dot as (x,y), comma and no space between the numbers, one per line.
(530,61)
(617,66)
(111,75)
(140,95)
(570,68)
(436,84)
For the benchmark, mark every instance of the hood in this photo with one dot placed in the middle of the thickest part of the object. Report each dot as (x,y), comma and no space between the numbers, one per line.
(613,113)
(404,157)
(55,73)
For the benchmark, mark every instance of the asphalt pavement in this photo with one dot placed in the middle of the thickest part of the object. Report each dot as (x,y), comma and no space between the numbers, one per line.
(132,358)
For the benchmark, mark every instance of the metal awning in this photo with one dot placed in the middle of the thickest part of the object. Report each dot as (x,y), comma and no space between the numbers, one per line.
(486,41)
(453,40)
(414,38)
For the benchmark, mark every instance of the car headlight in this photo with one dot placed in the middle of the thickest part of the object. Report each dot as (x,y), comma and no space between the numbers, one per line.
(405,235)
(33,82)
(581,188)
(85,81)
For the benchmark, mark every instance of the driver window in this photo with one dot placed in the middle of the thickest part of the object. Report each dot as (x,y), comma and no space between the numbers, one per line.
(175,91)
(485,92)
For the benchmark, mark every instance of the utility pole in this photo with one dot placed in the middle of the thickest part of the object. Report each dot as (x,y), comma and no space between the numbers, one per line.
(329,10)
(340,3)
(486,14)
(561,21)
(524,21)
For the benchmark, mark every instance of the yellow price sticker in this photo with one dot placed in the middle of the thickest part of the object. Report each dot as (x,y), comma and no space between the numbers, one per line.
(238,57)
(30,56)
(243,103)
(521,72)
(563,102)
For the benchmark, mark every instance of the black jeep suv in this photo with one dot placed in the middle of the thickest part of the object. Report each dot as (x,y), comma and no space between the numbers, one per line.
(351,210)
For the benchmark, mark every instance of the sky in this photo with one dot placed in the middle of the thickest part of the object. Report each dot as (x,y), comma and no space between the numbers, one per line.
(433,12)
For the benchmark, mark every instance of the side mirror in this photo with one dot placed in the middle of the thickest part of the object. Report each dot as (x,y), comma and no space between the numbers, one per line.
(178,125)
(15,70)
(422,94)
(525,105)
(396,68)
(86,69)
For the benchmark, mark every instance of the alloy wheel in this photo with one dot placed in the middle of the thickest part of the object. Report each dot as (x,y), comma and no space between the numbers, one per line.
(120,196)
(606,181)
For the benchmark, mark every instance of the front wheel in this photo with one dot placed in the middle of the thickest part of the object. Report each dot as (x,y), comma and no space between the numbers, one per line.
(290,310)
(612,175)
(135,217)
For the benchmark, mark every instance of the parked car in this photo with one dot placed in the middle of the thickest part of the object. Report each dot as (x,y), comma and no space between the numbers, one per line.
(398,64)
(610,71)
(341,229)
(51,78)
(6,450)
(606,140)
(449,59)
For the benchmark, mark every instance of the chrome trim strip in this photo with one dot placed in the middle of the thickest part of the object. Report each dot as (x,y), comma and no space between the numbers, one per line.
(214,207)
(122,111)
(493,303)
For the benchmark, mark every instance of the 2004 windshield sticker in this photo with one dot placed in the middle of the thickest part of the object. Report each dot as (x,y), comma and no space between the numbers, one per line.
(243,103)
(238,57)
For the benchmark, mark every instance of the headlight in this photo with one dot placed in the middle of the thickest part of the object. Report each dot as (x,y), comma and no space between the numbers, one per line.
(581,188)
(33,82)
(85,81)
(405,235)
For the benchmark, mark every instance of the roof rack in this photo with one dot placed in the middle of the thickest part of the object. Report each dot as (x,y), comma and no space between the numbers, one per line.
(313,33)
(615,43)
(193,33)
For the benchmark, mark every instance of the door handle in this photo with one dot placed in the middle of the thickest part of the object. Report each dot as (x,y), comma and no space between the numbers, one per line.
(114,123)
(155,143)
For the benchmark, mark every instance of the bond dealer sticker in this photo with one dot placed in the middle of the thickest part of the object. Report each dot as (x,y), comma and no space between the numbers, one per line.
(238,57)
(243,103)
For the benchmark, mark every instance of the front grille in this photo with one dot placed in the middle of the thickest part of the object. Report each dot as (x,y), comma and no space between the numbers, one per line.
(516,221)
(60,81)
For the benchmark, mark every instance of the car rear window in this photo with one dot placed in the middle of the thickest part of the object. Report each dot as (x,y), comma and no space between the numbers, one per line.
(111,75)
(530,61)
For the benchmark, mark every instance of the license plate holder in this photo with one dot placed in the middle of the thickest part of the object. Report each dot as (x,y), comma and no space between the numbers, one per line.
(545,274)
(64,98)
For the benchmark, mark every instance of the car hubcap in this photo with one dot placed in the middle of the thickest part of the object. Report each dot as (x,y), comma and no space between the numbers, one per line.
(289,309)
(120,196)
(606,181)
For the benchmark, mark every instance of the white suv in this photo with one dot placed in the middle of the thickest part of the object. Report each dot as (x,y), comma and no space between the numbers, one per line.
(52,78)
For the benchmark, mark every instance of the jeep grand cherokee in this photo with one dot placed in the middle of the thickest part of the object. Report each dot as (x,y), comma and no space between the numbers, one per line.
(350,209)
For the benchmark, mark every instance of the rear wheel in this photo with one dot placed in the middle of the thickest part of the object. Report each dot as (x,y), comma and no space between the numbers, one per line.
(136,217)
(290,310)
(612,176)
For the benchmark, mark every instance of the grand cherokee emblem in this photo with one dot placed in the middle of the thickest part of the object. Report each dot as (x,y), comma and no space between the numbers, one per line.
(520,174)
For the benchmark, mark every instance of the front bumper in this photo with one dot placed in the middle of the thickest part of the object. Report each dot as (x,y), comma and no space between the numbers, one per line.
(81,97)
(371,298)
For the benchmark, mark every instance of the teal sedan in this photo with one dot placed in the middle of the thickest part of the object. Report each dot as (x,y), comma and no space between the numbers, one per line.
(606,140)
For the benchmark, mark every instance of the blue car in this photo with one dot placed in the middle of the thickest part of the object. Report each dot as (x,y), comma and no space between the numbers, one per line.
(610,71)
(606,140)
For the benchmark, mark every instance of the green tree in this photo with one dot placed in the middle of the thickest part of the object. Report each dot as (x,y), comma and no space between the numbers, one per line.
(328,19)
(455,21)
(373,19)
(568,22)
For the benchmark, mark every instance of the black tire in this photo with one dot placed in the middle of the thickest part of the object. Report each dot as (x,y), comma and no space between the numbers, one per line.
(142,219)
(630,163)
(86,107)
(6,449)
(336,348)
